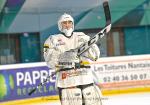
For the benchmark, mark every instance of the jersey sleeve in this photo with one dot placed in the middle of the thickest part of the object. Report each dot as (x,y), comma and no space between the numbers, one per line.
(50,52)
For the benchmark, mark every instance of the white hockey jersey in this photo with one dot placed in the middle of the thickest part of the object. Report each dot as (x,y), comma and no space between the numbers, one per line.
(55,45)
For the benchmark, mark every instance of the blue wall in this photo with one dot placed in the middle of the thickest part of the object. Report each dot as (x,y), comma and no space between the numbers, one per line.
(137,40)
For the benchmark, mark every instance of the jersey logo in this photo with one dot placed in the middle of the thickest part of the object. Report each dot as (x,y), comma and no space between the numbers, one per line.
(60,42)
(73,73)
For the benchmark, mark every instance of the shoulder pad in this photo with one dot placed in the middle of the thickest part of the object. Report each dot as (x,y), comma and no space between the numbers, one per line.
(82,37)
(79,33)
(55,36)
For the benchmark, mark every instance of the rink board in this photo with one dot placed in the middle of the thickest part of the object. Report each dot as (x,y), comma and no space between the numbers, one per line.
(115,75)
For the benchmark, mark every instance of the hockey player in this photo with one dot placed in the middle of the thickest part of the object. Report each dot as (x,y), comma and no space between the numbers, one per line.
(75,86)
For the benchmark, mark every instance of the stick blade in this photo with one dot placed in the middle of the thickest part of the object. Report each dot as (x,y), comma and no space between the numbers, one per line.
(32,91)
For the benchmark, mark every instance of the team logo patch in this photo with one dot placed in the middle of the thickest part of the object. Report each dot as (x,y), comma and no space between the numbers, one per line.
(60,42)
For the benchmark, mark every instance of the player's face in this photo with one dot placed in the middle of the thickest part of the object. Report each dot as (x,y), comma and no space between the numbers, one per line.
(67,24)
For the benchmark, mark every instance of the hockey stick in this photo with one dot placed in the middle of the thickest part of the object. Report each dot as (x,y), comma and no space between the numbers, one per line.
(84,47)
(42,83)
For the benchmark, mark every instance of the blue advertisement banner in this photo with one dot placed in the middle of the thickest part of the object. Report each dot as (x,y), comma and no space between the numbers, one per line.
(17,83)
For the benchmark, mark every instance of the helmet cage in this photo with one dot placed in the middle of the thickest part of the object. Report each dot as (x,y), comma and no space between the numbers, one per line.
(65,17)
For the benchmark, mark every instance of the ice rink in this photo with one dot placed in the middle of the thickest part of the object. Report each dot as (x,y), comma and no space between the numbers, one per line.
(126,99)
